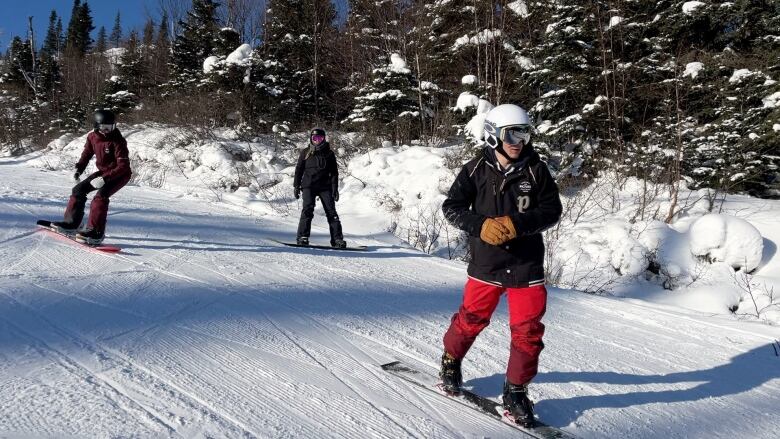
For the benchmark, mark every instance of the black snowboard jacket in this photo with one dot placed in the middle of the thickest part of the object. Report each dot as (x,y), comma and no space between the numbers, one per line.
(527,193)
(316,169)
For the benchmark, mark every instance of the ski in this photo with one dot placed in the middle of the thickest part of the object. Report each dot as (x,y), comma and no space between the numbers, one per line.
(472,400)
(46,226)
(358,248)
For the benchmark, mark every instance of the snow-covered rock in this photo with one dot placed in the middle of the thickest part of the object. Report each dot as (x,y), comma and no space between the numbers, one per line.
(468,80)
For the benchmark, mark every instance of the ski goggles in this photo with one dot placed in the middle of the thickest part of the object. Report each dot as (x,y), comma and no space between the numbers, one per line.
(513,135)
(317,139)
(106,127)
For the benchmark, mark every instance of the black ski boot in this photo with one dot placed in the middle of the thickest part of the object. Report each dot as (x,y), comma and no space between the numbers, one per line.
(302,240)
(518,405)
(338,243)
(451,377)
(89,237)
(64,227)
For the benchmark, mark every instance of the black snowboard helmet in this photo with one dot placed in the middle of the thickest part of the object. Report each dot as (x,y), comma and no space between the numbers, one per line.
(105,121)
(319,134)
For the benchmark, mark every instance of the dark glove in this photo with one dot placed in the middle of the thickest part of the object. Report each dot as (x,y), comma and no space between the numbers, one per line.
(335,193)
(76,175)
(297,192)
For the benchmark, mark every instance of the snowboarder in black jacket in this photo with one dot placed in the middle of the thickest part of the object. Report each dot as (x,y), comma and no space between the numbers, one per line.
(503,199)
(317,175)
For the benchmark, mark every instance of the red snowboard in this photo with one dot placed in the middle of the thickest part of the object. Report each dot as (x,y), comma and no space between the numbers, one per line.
(46,226)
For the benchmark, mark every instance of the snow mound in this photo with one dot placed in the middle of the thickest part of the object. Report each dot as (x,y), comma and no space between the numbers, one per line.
(519,7)
(727,239)
(772,100)
(689,8)
(210,63)
(475,128)
(739,75)
(398,64)
(465,101)
(241,55)
(614,21)
(692,69)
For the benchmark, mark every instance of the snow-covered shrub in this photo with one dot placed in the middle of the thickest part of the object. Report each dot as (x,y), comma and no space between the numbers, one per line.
(727,239)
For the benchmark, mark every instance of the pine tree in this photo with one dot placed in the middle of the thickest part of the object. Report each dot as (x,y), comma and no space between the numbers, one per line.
(51,42)
(116,32)
(561,79)
(19,66)
(117,97)
(389,104)
(367,34)
(50,74)
(72,34)
(102,41)
(148,35)
(159,66)
(300,55)
(80,26)
(445,22)
(131,68)
(60,37)
(195,42)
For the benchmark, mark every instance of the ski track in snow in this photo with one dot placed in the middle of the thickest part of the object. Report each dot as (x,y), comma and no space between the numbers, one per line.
(204,327)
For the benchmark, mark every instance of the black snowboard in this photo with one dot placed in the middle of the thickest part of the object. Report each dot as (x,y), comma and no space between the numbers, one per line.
(476,402)
(358,248)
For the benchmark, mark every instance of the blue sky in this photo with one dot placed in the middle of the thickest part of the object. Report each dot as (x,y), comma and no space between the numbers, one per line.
(13,19)
(14,13)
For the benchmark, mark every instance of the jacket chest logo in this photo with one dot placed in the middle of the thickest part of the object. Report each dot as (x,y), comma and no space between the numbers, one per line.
(524,186)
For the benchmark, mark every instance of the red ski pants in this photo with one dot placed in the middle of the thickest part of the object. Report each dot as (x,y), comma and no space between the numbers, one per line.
(98,209)
(526,308)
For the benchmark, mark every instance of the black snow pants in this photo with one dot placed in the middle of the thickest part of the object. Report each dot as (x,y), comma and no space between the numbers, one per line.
(307,213)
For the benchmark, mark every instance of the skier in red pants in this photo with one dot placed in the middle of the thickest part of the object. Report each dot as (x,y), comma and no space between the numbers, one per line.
(503,199)
(108,146)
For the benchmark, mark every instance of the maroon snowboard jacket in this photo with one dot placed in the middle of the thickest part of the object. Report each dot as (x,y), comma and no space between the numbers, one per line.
(111,155)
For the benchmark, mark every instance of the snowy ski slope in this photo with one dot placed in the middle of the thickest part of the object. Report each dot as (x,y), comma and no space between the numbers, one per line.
(204,327)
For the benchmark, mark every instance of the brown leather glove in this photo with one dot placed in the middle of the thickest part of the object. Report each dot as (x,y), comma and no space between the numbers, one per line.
(507,222)
(494,232)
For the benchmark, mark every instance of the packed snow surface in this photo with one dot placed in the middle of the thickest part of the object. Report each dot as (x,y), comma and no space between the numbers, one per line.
(204,326)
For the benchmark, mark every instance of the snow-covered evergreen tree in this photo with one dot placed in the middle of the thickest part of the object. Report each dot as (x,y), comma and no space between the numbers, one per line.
(195,42)
(101,44)
(116,31)
(300,54)
(389,104)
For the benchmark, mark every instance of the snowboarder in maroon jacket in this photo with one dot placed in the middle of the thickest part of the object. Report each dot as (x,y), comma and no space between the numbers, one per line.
(109,148)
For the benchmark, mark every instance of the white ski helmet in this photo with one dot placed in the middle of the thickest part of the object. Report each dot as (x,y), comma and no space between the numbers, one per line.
(498,122)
